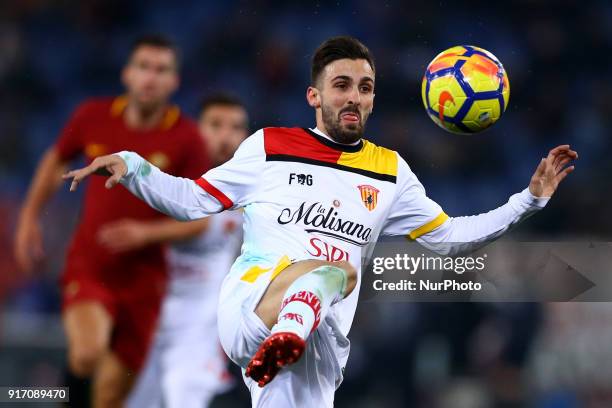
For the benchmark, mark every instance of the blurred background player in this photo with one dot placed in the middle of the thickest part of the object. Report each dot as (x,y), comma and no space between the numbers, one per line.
(115,271)
(186,366)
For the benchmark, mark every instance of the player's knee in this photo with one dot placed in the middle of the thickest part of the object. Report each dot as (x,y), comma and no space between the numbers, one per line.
(84,360)
(351,275)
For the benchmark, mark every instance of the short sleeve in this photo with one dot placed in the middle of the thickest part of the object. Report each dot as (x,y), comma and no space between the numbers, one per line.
(71,139)
(412,212)
(234,184)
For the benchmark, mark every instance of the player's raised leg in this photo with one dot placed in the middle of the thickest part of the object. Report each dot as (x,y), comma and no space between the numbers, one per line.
(292,307)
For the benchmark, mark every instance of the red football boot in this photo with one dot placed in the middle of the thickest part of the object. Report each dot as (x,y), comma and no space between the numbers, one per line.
(277,351)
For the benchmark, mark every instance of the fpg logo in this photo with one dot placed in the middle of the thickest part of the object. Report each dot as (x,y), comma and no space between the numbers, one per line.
(331,253)
(303,179)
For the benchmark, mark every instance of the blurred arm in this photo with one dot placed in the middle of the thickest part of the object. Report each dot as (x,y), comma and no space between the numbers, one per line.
(128,234)
(46,181)
(172,230)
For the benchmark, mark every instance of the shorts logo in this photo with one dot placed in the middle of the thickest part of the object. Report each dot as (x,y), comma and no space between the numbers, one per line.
(369,196)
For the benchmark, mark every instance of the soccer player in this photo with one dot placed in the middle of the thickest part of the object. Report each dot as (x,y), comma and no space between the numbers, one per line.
(315,201)
(115,270)
(186,366)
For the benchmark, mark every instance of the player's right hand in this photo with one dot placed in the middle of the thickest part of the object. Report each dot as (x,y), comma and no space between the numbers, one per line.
(28,249)
(111,165)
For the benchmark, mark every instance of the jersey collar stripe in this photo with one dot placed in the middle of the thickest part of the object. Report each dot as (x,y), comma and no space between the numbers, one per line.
(213,191)
(336,146)
(372,158)
(305,144)
(430,226)
(171,116)
(118,106)
(305,160)
(297,142)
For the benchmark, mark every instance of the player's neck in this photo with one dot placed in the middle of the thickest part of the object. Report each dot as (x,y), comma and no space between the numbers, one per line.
(140,118)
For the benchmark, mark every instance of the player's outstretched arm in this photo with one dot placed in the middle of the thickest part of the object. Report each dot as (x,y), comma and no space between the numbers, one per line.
(464,234)
(177,197)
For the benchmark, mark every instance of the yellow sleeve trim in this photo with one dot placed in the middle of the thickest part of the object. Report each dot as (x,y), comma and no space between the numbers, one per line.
(430,226)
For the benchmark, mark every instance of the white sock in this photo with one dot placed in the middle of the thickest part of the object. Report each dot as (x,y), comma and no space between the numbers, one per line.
(308,299)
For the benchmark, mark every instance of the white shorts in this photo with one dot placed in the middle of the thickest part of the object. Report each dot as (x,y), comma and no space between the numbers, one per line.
(310,382)
(185,366)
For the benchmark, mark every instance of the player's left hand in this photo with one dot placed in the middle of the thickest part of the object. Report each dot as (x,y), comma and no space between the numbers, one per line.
(551,171)
(124,235)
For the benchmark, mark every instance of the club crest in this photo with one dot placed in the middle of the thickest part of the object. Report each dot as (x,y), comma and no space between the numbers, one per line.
(369,196)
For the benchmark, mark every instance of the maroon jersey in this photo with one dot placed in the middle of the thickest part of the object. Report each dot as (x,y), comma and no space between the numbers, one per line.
(97,128)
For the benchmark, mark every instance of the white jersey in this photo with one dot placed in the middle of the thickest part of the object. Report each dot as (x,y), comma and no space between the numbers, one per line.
(307,197)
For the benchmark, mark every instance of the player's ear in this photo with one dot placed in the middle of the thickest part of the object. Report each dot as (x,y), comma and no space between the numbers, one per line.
(313,97)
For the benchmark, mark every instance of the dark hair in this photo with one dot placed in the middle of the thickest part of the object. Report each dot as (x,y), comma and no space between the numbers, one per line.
(222,99)
(337,48)
(158,41)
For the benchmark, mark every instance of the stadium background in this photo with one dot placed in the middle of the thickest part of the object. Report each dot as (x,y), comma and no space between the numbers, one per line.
(55,54)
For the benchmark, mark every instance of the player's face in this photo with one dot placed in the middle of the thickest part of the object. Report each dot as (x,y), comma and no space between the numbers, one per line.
(151,76)
(224,127)
(346,98)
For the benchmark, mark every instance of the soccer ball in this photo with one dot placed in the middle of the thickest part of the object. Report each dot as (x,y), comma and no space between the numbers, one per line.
(465,89)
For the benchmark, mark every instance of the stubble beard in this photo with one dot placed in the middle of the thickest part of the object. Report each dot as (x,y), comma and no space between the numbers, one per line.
(348,134)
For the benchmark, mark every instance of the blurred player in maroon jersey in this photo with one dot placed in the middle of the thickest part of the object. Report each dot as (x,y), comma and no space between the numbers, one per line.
(115,270)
